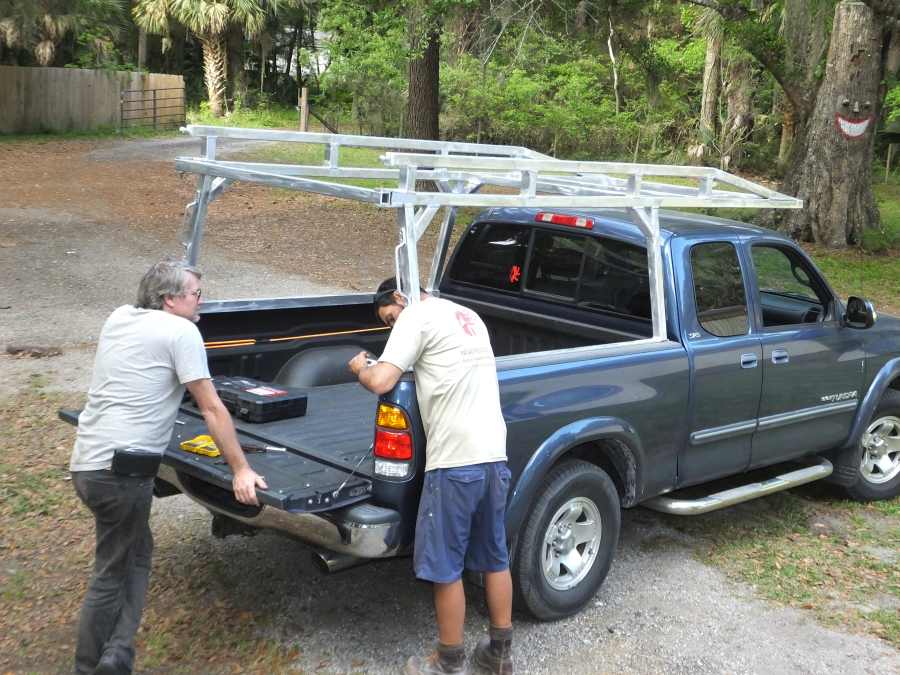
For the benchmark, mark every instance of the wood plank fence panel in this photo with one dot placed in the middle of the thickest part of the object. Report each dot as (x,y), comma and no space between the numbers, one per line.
(34,100)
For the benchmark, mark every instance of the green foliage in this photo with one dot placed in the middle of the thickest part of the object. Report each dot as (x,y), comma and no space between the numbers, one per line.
(367,74)
(892,105)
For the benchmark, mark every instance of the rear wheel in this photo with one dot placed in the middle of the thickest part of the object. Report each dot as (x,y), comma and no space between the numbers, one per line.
(567,546)
(878,476)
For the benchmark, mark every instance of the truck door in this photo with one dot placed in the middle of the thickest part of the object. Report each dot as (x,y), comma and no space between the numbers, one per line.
(812,365)
(726,372)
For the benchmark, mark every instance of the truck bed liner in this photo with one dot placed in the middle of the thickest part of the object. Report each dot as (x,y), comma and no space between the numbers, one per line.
(326,447)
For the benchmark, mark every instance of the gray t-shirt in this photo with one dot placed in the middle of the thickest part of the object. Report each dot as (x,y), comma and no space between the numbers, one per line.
(448,347)
(144,357)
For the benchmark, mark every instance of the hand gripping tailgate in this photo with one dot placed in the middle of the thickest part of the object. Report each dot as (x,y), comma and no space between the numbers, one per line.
(297,482)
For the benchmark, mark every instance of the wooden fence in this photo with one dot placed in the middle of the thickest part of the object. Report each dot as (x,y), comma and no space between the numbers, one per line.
(34,100)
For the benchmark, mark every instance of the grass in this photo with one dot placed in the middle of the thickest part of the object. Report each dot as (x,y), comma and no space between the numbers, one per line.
(92,135)
(810,550)
(46,546)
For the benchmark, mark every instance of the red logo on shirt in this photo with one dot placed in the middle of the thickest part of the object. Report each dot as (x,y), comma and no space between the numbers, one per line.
(514,273)
(467,321)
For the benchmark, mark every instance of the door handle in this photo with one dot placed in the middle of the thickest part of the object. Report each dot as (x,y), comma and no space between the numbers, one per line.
(780,356)
(748,361)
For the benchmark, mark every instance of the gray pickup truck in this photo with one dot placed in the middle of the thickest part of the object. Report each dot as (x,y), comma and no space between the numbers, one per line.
(640,352)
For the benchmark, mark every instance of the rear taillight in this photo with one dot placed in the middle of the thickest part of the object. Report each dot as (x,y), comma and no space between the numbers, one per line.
(393,448)
(393,445)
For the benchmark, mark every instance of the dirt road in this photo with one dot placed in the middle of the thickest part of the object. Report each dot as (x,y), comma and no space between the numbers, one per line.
(80,221)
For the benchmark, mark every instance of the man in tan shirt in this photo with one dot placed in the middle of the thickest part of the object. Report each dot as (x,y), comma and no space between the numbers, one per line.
(462,509)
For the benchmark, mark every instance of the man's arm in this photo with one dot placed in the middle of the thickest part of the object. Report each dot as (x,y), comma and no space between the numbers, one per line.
(246,480)
(379,378)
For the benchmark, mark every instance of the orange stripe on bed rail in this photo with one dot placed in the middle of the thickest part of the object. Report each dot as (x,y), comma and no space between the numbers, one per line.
(249,342)
(339,332)
(222,344)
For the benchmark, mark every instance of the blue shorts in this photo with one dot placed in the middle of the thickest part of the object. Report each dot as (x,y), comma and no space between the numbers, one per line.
(461,522)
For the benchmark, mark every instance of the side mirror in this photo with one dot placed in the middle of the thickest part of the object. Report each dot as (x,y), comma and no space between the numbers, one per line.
(860,313)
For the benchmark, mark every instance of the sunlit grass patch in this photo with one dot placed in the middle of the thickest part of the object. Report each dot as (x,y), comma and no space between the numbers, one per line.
(839,560)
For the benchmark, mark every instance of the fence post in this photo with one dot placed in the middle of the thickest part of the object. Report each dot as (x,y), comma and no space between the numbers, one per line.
(121,110)
(304,109)
(154,109)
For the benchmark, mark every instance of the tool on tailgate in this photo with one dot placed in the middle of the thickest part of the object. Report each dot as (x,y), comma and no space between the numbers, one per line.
(201,445)
(256,447)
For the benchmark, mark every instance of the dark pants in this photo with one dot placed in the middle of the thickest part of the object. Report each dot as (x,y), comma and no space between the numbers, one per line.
(112,607)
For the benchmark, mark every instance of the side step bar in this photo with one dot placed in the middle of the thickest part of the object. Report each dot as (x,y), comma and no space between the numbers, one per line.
(743,493)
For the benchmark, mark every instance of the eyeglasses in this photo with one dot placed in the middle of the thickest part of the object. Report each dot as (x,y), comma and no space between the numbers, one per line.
(196,293)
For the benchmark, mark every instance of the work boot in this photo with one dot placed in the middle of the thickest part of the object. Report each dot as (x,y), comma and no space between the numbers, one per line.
(494,652)
(445,659)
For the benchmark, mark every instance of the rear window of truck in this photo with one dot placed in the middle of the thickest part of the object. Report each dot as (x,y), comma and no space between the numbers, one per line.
(596,273)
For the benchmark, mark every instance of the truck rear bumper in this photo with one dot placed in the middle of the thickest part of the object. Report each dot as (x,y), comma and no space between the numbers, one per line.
(361,530)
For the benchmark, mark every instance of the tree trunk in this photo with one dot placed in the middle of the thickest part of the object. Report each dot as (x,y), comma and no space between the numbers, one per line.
(709,106)
(892,60)
(237,79)
(423,104)
(142,49)
(830,167)
(788,129)
(805,29)
(214,72)
(739,120)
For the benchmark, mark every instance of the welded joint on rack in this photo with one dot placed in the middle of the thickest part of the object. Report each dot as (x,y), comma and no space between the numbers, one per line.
(529,183)
(332,155)
(407,178)
(706,186)
(634,184)
(218,187)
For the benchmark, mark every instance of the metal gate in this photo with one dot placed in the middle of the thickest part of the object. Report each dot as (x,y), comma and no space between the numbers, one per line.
(156,108)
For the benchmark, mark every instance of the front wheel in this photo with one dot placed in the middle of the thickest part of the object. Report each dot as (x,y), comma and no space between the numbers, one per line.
(878,476)
(565,551)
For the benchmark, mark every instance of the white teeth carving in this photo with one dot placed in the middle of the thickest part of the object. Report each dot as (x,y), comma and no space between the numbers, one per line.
(853,128)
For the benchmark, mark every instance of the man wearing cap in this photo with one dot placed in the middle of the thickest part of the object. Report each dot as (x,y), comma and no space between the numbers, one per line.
(462,509)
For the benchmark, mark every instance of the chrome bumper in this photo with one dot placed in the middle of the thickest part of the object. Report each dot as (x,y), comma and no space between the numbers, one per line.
(342,531)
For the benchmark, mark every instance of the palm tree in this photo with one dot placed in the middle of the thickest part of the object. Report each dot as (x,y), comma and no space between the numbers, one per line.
(209,20)
(41,25)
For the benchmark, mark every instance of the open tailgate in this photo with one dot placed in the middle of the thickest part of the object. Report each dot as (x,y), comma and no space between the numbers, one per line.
(298,481)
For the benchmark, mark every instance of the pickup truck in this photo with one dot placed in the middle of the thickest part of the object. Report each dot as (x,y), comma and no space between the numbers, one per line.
(761,373)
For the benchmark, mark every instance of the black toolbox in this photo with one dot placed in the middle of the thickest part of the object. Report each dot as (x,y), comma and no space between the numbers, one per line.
(256,401)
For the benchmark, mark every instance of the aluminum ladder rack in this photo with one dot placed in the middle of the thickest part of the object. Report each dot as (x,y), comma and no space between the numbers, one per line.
(520,178)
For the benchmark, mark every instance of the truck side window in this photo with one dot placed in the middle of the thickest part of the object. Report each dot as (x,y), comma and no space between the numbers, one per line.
(492,255)
(719,290)
(615,278)
(789,292)
(555,264)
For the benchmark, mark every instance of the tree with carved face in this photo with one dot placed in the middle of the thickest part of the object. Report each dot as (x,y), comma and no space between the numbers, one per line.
(834,90)
(831,170)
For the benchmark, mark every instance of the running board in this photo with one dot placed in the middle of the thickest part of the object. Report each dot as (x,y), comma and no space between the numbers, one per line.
(744,493)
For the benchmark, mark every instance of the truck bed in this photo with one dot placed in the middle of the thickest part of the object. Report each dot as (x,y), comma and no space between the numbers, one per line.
(326,447)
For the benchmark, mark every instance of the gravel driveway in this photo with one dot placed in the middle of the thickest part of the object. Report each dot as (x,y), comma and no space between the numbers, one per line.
(660,611)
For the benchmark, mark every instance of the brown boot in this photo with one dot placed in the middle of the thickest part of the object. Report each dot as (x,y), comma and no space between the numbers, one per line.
(494,653)
(445,659)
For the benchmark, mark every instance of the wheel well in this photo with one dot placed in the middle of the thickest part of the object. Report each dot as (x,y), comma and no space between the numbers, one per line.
(616,459)
(895,384)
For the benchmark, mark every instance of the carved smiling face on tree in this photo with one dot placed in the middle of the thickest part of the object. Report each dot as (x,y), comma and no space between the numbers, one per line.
(853,118)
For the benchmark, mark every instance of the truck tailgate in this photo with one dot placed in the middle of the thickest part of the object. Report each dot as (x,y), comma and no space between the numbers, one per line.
(327,462)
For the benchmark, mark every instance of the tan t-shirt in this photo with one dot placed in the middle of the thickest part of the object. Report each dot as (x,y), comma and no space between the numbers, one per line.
(144,358)
(448,347)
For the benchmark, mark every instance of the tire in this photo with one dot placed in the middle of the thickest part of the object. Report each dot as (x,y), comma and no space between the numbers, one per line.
(575,493)
(878,473)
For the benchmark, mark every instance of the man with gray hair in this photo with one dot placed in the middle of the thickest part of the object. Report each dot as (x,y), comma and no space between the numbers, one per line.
(146,355)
